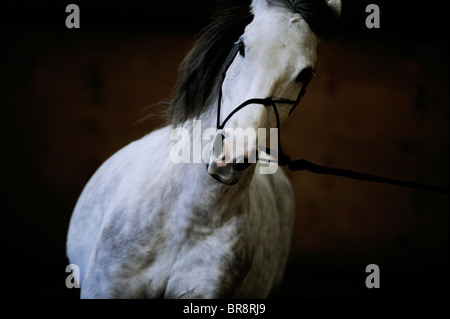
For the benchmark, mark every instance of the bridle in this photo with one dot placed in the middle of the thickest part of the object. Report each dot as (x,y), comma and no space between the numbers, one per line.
(266,101)
(302,164)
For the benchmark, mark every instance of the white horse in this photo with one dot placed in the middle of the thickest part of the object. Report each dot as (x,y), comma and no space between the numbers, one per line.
(148,227)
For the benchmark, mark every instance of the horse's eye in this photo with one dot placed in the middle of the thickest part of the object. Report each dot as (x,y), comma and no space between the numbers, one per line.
(241,48)
(305,75)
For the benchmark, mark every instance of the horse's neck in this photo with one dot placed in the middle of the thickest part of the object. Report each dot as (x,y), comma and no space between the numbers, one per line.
(200,196)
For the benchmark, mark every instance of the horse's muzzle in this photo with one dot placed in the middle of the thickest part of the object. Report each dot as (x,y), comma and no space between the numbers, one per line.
(226,172)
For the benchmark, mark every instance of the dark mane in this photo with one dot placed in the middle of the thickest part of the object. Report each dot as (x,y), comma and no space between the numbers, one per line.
(322,20)
(203,64)
(205,60)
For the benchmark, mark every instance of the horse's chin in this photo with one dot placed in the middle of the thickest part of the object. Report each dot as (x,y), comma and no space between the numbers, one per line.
(230,173)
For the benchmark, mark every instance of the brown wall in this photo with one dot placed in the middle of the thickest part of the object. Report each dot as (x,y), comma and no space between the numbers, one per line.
(376,106)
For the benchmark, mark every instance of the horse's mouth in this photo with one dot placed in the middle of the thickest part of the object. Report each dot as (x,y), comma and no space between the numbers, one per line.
(229,173)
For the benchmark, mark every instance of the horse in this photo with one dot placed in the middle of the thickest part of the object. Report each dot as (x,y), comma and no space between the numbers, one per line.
(147,225)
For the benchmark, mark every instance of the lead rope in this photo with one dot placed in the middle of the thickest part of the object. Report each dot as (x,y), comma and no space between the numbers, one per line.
(302,164)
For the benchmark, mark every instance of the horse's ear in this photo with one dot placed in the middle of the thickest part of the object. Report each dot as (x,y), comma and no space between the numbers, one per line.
(335,5)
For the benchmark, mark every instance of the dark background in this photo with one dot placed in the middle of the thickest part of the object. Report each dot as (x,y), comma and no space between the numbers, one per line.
(379,104)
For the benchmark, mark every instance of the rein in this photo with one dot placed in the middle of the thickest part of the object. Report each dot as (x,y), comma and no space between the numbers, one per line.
(302,164)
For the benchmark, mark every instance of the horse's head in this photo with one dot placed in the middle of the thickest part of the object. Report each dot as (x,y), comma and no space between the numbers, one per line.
(271,62)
